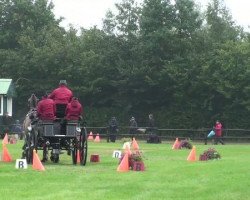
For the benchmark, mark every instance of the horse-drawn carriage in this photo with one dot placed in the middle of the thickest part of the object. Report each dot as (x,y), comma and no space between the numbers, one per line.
(54,136)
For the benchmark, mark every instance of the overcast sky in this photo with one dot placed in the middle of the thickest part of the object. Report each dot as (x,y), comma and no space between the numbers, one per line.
(87,13)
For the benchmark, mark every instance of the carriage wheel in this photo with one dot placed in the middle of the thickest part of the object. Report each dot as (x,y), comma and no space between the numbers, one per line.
(74,153)
(83,146)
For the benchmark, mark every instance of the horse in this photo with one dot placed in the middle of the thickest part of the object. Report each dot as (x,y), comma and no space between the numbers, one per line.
(30,117)
(32,101)
(32,114)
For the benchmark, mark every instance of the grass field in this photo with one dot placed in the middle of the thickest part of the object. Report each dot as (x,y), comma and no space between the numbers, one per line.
(168,175)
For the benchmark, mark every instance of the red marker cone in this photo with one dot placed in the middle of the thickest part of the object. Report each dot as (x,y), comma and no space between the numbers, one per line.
(97,138)
(5,139)
(90,136)
(37,165)
(6,157)
(135,145)
(176,144)
(192,155)
(78,156)
(124,165)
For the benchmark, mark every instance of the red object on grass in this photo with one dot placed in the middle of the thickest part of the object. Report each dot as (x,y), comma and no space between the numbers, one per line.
(94,158)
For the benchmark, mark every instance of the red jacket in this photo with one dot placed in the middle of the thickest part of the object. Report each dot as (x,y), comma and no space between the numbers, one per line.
(61,95)
(218,129)
(46,109)
(73,110)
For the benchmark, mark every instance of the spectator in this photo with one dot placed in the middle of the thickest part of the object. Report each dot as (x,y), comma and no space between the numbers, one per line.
(17,128)
(132,127)
(113,129)
(218,133)
(46,109)
(73,110)
(153,137)
(61,96)
(151,123)
(7,121)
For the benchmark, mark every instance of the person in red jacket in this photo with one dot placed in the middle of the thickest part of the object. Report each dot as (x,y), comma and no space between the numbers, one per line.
(218,132)
(61,96)
(46,109)
(73,110)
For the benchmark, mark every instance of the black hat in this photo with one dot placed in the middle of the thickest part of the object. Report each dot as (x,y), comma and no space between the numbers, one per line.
(63,82)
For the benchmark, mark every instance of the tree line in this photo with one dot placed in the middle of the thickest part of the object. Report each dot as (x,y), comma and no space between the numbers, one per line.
(186,66)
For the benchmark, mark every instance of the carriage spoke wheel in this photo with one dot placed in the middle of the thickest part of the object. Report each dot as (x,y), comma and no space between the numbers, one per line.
(83,147)
(74,152)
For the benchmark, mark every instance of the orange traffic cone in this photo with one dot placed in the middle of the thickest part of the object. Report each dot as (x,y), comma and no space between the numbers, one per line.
(135,145)
(97,138)
(176,144)
(90,136)
(192,155)
(78,156)
(6,156)
(37,163)
(5,139)
(124,165)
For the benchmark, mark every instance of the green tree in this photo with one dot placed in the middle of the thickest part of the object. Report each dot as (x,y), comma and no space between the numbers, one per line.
(30,44)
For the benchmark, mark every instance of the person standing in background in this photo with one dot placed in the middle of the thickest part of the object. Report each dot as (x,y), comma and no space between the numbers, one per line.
(152,131)
(17,128)
(132,127)
(151,124)
(112,129)
(7,121)
(218,133)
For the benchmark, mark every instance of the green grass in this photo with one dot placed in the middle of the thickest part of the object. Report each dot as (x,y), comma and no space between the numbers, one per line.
(168,175)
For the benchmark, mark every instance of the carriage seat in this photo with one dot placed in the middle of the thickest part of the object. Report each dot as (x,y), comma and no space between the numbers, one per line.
(53,128)
(71,127)
(48,128)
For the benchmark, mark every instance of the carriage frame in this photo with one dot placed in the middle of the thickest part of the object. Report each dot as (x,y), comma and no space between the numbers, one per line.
(56,137)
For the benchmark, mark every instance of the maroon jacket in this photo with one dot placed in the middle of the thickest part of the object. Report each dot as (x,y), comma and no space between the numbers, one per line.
(218,129)
(61,95)
(73,110)
(46,109)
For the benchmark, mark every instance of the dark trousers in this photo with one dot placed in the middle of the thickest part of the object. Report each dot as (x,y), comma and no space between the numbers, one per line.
(218,139)
(111,138)
(112,135)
